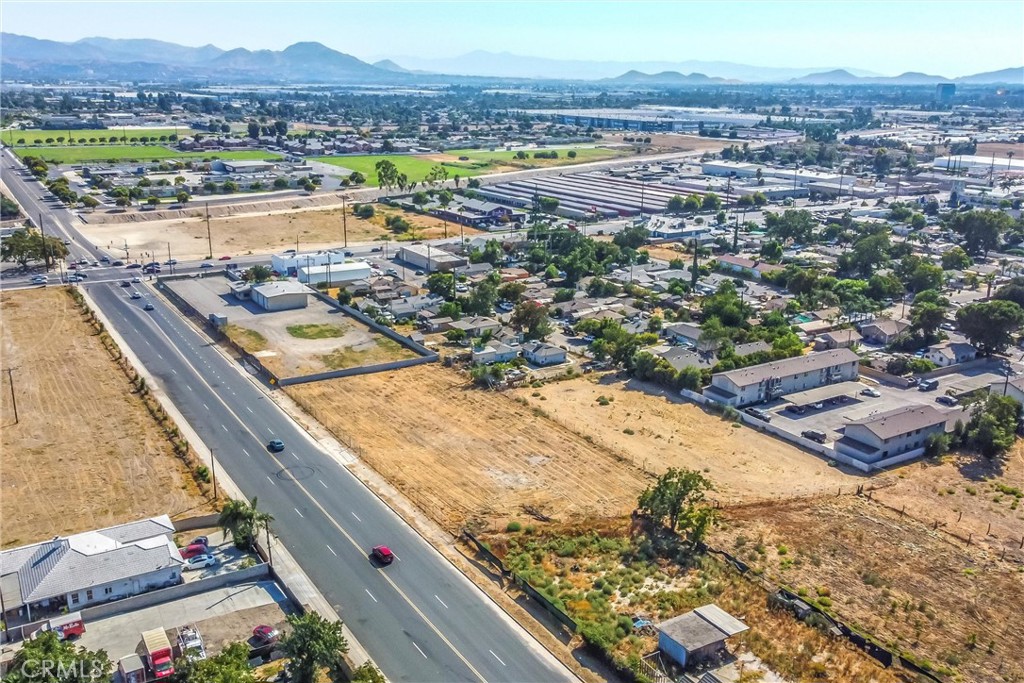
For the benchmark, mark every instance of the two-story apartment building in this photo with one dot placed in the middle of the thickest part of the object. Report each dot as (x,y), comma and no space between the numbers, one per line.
(769,381)
(891,433)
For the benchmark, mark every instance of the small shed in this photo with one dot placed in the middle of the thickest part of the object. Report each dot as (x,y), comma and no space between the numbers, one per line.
(698,635)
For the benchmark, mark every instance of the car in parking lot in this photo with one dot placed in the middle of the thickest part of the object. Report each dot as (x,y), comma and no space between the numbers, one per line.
(383,554)
(818,406)
(420,272)
(205,540)
(794,408)
(199,562)
(928,385)
(873,393)
(275,446)
(763,415)
(946,400)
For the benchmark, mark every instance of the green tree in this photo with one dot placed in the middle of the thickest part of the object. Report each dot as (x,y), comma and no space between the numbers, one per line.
(314,644)
(993,424)
(678,500)
(230,666)
(512,291)
(450,309)
(632,237)
(563,295)
(691,204)
(675,204)
(981,230)
(711,202)
(254,130)
(242,521)
(442,284)
(990,326)
(344,297)
(89,202)
(387,173)
(367,673)
(47,659)
(792,224)
(258,273)
(455,335)
(531,319)
(927,317)
(771,251)
(420,198)
(955,259)
(481,300)
(548,204)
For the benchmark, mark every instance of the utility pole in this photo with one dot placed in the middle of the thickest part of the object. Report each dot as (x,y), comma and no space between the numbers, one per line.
(209,235)
(270,553)
(344,218)
(14,401)
(693,276)
(213,469)
(170,261)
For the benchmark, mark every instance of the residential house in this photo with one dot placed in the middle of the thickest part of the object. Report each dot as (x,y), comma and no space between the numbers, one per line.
(745,266)
(688,333)
(680,358)
(72,572)
(837,339)
(407,307)
(495,352)
(769,381)
(437,323)
(1009,387)
(948,353)
(697,636)
(883,330)
(894,432)
(540,353)
(475,326)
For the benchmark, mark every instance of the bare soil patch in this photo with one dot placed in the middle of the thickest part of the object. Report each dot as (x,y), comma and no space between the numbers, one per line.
(264,232)
(987,149)
(668,142)
(668,432)
(905,582)
(85,453)
(463,454)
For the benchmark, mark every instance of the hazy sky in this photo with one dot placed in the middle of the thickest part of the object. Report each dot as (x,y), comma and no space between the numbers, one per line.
(944,37)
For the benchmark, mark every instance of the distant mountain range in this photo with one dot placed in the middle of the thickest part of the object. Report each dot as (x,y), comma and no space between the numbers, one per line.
(26,58)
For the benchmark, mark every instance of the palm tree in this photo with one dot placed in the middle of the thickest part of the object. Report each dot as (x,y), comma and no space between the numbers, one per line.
(241,520)
(1009,159)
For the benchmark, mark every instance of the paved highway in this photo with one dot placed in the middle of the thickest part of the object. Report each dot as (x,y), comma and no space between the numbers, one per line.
(420,618)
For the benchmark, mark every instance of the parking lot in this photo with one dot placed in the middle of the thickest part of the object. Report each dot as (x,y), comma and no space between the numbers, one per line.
(228,558)
(852,405)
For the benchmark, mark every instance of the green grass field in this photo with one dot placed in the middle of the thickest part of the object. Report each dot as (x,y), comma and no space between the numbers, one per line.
(14,137)
(122,153)
(415,167)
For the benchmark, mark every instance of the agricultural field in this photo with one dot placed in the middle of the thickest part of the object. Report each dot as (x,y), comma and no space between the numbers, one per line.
(655,429)
(465,455)
(416,167)
(104,459)
(90,136)
(912,586)
(122,153)
(607,575)
(248,230)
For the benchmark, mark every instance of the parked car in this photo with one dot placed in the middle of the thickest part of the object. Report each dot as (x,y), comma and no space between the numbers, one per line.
(759,414)
(192,550)
(275,446)
(266,635)
(946,400)
(794,408)
(928,385)
(873,393)
(199,562)
(206,264)
(814,435)
(420,272)
(383,554)
(817,406)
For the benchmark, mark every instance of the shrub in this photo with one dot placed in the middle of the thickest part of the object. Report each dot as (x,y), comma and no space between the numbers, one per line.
(628,431)
(513,526)
(203,474)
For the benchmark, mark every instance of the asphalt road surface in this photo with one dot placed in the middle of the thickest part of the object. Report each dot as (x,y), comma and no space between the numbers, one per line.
(420,619)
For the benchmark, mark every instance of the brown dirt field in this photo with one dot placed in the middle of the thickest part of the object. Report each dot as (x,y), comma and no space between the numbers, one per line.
(85,453)
(674,142)
(987,149)
(462,454)
(262,233)
(899,579)
(744,464)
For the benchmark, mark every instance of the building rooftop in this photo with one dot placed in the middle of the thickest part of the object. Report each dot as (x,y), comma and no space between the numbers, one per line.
(701,627)
(899,421)
(280,288)
(812,362)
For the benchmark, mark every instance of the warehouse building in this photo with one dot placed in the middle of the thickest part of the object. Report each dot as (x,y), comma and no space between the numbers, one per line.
(429,258)
(335,274)
(280,296)
(290,262)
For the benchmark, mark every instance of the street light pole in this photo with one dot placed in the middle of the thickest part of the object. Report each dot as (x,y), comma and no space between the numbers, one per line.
(213,470)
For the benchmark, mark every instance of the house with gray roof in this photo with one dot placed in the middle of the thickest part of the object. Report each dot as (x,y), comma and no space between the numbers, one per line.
(89,568)
(891,433)
(698,635)
(540,353)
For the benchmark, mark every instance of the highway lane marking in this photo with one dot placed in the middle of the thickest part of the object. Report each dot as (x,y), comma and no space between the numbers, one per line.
(224,428)
(418,649)
(299,513)
(442,602)
(295,456)
(248,408)
(246,452)
(356,516)
(190,387)
(208,409)
(497,657)
(174,371)
(371,596)
(335,523)
(332,551)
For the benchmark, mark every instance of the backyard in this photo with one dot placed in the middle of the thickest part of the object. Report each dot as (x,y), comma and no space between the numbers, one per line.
(70,464)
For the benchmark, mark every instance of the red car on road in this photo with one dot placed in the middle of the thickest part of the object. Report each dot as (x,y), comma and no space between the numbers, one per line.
(383,554)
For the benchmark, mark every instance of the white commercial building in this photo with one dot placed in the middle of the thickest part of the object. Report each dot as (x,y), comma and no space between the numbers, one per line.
(335,273)
(280,296)
(289,264)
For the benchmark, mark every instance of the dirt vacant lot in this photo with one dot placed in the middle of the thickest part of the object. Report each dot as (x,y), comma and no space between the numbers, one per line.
(462,453)
(266,232)
(906,583)
(668,432)
(85,453)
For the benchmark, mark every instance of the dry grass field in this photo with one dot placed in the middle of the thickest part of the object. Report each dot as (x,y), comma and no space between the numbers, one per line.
(903,581)
(265,232)
(463,454)
(85,453)
(745,465)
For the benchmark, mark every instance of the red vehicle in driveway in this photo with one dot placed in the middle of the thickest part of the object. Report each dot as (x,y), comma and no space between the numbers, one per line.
(193,550)
(383,554)
(266,635)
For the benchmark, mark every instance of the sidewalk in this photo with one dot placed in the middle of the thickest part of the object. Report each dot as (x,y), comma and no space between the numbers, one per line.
(285,568)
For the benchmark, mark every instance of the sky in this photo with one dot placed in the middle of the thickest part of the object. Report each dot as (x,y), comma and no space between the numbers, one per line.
(943,37)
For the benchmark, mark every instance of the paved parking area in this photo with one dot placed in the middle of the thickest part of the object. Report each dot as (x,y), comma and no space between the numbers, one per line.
(229,558)
(119,635)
